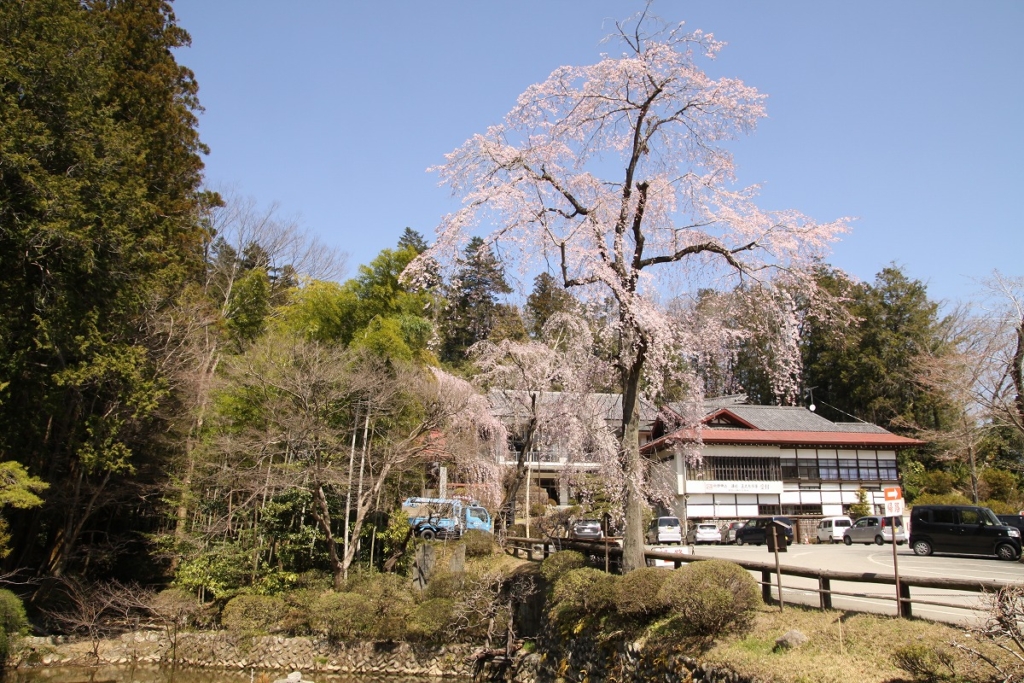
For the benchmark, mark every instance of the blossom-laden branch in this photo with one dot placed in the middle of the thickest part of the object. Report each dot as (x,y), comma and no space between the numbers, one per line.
(618,171)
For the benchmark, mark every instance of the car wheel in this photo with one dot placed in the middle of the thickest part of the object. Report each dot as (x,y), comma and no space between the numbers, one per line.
(879,540)
(428,534)
(847,540)
(922,548)
(1005,551)
(739,541)
(832,540)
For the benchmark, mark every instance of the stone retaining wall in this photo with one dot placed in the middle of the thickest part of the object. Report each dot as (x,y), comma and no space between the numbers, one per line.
(223,650)
(589,657)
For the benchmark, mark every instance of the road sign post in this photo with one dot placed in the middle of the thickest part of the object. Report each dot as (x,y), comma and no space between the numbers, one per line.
(893,509)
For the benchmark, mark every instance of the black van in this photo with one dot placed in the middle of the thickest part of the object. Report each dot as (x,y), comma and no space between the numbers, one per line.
(964,529)
(755,532)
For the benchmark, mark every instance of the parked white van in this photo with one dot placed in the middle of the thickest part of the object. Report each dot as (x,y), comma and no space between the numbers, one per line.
(831,529)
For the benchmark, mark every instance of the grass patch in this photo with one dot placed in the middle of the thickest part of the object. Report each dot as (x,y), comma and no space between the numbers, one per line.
(840,645)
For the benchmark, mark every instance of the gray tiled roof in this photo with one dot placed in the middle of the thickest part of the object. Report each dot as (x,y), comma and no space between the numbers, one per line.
(795,419)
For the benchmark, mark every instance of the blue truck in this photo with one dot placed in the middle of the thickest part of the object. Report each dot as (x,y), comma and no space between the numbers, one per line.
(446,517)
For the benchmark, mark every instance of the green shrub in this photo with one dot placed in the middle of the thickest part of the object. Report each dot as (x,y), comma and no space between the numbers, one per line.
(478,543)
(638,593)
(252,614)
(12,613)
(583,591)
(390,600)
(431,619)
(517,530)
(554,566)
(925,662)
(1000,507)
(342,616)
(4,648)
(300,606)
(712,596)
(445,585)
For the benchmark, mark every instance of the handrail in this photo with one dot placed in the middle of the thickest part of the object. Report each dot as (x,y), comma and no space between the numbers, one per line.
(610,548)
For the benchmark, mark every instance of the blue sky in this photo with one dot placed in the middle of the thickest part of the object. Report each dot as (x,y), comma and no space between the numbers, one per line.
(907,115)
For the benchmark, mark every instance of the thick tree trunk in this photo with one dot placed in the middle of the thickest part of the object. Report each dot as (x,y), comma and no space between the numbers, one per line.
(506,511)
(633,465)
(1017,375)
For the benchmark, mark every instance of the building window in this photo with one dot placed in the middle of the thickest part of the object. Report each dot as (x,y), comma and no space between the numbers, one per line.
(868,470)
(828,469)
(801,509)
(848,470)
(808,469)
(887,470)
(736,469)
(789,468)
(768,510)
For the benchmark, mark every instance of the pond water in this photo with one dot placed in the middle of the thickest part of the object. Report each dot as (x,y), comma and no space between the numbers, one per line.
(153,674)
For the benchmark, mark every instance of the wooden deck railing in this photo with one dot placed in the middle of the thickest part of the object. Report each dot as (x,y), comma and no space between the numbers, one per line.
(538,549)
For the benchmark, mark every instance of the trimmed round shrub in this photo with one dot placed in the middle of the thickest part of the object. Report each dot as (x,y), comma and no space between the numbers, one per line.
(431,619)
(342,616)
(478,543)
(638,593)
(391,601)
(177,606)
(12,613)
(583,591)
(254,614)
(554,566)
(712,596)
(445,585)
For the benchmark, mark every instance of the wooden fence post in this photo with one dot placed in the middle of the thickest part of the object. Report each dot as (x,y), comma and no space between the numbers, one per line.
(766,586)
(825,592)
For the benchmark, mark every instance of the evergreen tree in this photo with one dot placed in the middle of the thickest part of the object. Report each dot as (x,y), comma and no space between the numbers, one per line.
(869,372)
(411,239)
(100,175)
(473,300)
(547,298)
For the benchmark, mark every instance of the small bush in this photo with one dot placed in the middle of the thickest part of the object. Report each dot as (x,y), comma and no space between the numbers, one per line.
(300,607)
(924,662)
(554,566)
(251,614)
(517,530)
(390,600)
(445,585)
(583,591)
(712,596)
(638,593)
(342,616)
(431,619)
(178,607)
(12,613)
(478,543)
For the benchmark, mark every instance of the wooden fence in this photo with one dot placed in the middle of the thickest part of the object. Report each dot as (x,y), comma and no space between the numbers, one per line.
(538,549)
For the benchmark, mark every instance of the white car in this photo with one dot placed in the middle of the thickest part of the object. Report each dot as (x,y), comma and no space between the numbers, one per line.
(704,533)
(831,529)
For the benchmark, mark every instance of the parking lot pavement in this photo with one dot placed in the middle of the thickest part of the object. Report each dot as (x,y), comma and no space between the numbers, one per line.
(878,559)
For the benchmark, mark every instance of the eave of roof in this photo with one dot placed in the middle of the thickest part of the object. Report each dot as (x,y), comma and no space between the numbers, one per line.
(782,438)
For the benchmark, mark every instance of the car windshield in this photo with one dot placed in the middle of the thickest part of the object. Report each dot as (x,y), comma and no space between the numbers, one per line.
(668,521)
(708,527)
(842,522)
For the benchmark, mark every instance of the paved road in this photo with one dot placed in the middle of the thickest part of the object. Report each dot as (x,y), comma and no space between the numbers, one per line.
(878,559)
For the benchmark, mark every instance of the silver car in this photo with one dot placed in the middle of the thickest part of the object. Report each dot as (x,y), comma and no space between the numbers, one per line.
(875,529)
(665,530)
(587,529)
(704,533)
